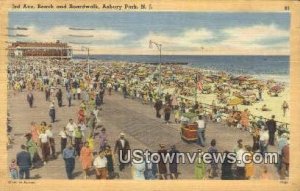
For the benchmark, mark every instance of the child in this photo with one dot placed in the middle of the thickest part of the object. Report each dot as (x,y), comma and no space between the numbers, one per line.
(13,169)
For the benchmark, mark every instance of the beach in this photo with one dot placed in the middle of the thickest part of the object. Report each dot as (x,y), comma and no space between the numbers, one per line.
(125,96)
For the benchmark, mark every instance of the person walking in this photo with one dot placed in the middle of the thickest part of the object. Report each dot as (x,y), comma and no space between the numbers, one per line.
(100,164)
(109,87)
(52,112)
(102,139)
(51,140)
(162,166)
(201,131)
(78,91)
(86,156)
(63,139)
(47,93)
(69,98)
(31,148)
(213,165)
(226,168)
(173,165)
(249,167)
(24,163)
(240,165)
(272,127)
(138,169)
(200,167)
(44,142)
(158,106)
(70,129)
(69,158)
(285,107)
(121,148)
(110,162)
(150,168)
(77,137)
(167,112)
(124,90)
(263,140)
(30,99)
(59,96)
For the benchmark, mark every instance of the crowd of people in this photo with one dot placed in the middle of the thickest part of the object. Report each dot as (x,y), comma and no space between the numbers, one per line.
(69,81)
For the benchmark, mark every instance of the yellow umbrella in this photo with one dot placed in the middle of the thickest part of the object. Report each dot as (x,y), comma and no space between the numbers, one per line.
(235,101)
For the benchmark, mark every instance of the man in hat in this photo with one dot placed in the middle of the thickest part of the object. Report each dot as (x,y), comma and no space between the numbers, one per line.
(272,127)
(121,148)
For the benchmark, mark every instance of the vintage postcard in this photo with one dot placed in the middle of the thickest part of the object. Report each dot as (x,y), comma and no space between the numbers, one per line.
(152,95)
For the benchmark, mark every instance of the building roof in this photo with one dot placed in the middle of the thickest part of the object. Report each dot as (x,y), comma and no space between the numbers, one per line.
(57,44)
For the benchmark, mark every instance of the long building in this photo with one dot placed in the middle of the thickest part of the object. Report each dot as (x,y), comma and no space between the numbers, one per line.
(57,50)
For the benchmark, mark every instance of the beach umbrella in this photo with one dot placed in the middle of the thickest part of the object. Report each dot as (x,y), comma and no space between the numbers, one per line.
(248,93)
(242,78)
(276,88)
(235,101)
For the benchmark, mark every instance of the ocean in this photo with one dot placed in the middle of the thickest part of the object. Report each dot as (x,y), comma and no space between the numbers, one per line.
(264,67)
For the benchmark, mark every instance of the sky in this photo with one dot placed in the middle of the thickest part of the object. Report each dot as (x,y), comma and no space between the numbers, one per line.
(180,33)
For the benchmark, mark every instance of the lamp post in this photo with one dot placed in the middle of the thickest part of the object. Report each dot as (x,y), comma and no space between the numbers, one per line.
(84,48)
(84,35)
(159,47)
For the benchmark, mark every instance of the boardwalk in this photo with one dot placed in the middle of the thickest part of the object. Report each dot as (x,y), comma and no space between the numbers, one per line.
(136,120)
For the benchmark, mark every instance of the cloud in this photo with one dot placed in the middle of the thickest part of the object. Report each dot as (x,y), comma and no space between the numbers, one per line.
(247,40)
(188,39)
(254,36)
(256,39)
(63,33)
